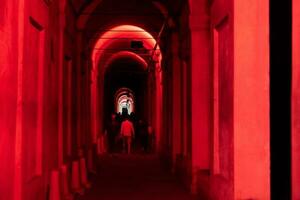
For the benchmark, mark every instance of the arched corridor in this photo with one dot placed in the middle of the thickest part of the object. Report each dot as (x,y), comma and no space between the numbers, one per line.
(210,87)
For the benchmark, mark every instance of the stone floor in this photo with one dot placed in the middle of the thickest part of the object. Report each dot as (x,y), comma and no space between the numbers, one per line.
(134,177)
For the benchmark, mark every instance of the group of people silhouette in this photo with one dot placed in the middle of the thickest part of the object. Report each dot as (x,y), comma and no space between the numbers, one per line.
(125,133)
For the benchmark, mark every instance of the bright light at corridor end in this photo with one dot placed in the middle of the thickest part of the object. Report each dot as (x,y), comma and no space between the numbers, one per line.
(124,99)
(125,102)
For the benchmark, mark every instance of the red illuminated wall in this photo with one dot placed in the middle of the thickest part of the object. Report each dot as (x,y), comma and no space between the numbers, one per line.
(51,96)
(242,134)
(296,102)
(201,87)
(251,100)
(31,100)
(8,94)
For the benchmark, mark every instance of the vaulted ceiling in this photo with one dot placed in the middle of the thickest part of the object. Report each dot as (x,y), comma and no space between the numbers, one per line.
(96,17)
(172,5)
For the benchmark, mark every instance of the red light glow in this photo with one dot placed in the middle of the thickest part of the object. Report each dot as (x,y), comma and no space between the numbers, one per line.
(124,97)
(119,32)
(109,39)
(126,54)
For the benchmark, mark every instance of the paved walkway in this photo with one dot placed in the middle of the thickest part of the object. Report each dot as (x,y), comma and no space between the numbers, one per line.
(134,177)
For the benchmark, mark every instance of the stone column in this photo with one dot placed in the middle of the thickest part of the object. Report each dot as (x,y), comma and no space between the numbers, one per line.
(176,98)
(251,137)
(201,92)
(78,89)
(61,66)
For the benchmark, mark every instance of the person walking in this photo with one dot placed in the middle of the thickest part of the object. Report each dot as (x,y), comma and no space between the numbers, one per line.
(127,133)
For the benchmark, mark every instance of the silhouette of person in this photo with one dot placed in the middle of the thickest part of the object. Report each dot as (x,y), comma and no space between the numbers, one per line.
(151,138)
(124,113)
(143,135)
(112,132)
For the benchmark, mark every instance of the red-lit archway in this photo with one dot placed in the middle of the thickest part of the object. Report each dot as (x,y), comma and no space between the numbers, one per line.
(118,38)
(124,98)
(45,100)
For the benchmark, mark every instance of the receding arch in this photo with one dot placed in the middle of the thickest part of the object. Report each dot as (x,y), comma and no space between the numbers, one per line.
(124,96)
(121,32)
(126,54)
(100,61)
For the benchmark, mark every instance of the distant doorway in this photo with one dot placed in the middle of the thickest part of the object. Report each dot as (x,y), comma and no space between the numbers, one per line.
(124,101)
